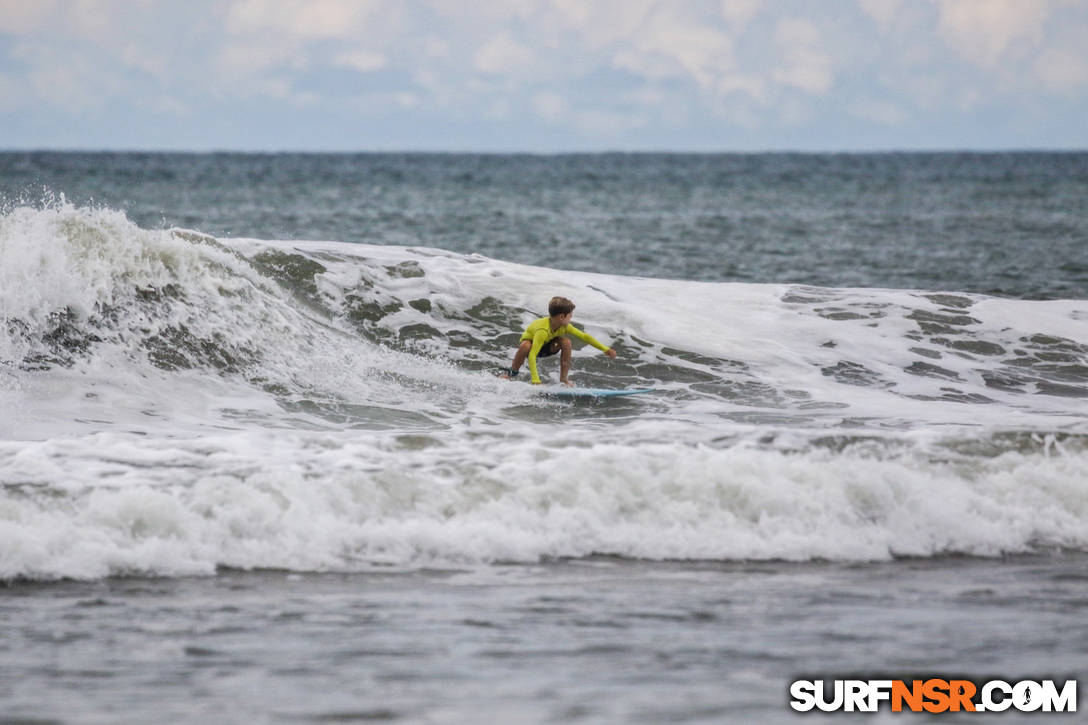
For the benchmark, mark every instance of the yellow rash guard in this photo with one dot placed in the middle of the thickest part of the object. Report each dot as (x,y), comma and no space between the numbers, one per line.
(541,333)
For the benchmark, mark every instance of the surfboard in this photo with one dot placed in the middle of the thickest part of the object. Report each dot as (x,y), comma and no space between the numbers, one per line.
(564,392)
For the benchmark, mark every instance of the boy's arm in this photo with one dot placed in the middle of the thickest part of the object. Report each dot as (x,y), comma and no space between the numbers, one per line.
(538,342)
(586,337)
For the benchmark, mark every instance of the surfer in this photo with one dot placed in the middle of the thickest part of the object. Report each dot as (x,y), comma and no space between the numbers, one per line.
(546,336)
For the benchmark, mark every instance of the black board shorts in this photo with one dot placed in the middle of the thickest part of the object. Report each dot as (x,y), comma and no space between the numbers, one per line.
(549,348)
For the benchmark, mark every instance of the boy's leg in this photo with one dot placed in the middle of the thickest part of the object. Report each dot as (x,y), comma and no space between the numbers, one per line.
(521,354)
(564,360)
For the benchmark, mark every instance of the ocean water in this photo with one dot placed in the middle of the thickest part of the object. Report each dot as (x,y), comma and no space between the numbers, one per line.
(255,465)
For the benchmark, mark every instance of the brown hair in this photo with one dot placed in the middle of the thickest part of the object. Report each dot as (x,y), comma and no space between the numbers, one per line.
(560,306)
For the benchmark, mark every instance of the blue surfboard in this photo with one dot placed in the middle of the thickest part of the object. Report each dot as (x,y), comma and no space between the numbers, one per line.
(564,392)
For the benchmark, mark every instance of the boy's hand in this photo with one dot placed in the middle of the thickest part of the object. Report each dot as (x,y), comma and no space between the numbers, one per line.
(610,353)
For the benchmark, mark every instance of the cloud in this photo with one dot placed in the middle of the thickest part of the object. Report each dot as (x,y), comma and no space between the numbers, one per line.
(264,44)
(884,12)
(67,78)
(984,30)
(738,13)
(19,17)
(305,19)
(502,55)
(550,105)
(363,61)
(675,46)
(241,60)
(595,69)
(805,64)
(1063,70)
(601,24)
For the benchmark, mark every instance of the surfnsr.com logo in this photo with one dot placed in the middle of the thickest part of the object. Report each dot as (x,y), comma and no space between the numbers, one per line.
(933,695)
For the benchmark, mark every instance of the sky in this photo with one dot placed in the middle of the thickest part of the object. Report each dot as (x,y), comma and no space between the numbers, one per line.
(544,76)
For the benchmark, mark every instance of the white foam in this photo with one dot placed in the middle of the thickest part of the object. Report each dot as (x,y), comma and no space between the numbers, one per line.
(784,344)
(326,501)
(324,450)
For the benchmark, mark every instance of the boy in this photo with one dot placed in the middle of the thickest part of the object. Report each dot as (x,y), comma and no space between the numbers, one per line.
(545,337)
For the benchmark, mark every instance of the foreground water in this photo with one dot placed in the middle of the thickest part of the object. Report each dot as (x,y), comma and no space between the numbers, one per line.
(250,476)
(597,640)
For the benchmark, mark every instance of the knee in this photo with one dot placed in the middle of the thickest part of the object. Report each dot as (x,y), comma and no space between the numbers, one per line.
(525,346)
(564,344)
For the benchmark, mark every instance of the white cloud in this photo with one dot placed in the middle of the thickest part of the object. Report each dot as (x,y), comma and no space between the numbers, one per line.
(805,65)
(502,55)
(276,87)
(96,20)
(364,61)
(307,19)
(20,16)
(405,99)
(599,68)
(435,47)
(650,97)
(984,30)
(601,24)
(550,105)
(65,78)
(674,46)
(576,13)
(266,35)
(741,12)
(884,12)
(1063,70)
(241,60)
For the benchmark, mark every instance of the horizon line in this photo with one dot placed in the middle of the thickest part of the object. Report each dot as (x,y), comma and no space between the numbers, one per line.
(524,152)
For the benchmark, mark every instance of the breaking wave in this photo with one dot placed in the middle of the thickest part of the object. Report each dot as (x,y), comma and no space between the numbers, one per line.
(173,402)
